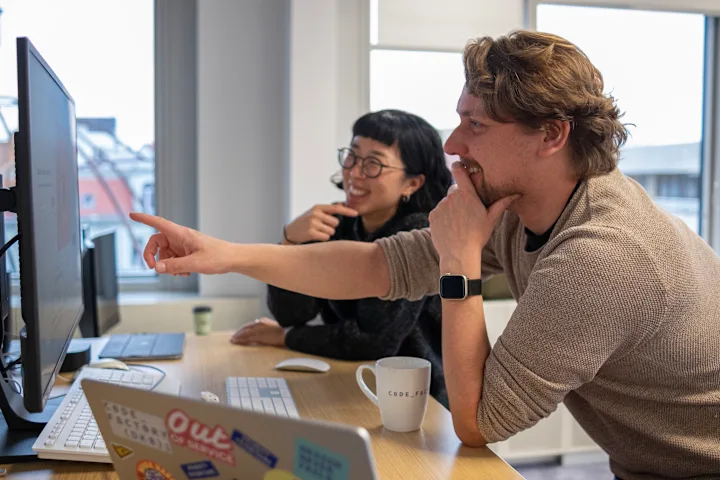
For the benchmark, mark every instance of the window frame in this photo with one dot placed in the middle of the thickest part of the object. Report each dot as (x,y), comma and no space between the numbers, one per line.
(176,165)
(709,221)
(710,167)
(175,84)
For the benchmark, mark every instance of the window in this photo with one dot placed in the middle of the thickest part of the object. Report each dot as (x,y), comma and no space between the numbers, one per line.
(424,82)
(437,80)
(104,54)
(662,98)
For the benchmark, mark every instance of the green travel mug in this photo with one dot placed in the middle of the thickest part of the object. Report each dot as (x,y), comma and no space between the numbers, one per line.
(202,316)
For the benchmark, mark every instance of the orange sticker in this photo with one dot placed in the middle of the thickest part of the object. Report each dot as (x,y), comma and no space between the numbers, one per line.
(149,470)
(122,450)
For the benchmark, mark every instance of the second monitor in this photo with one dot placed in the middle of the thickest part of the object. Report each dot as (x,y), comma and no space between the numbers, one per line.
(100,286)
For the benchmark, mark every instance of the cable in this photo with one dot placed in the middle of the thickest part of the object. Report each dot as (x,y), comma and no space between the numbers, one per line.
(68,380)
(12,356)
(9,244)
(2,253)
(162,372)
(10,365)
(12,382)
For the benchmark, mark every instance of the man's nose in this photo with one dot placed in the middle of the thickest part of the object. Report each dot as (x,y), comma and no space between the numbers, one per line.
(454,145)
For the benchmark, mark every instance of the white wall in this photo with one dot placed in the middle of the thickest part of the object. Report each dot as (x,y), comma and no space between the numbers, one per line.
(243,125)
(327,71)
(313,126)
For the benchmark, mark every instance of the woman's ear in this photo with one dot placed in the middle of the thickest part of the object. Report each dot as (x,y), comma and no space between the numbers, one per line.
(413,184)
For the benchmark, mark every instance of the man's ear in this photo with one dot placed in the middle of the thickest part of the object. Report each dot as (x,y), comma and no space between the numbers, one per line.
(555,137)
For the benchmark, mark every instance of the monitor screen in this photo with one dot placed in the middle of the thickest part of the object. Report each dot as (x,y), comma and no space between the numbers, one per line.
(108,310)
(102,311)
(48,222)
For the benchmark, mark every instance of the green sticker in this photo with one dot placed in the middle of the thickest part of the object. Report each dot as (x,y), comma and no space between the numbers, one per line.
(313,462)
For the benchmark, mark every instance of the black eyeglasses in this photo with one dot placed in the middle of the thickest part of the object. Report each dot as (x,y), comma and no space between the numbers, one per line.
(371,166)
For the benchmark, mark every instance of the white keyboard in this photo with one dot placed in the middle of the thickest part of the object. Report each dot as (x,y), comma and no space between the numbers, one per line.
(72,434)
(261,394)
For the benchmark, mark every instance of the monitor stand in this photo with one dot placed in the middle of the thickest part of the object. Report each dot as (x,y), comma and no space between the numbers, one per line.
(19,429)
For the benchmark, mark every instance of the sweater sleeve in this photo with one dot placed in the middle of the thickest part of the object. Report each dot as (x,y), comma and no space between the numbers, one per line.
(377,331)
(292,309)
(414,263)
(589,302)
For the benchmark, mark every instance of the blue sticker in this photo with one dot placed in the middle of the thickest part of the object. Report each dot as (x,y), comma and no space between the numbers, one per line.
(255,449)
(200,470)
(313,462)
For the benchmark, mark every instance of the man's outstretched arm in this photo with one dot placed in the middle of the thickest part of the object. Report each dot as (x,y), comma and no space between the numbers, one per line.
(339,270)
(332,270)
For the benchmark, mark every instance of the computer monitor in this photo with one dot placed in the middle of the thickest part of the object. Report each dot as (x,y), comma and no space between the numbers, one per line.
(100,286)
(48,212)
(45,198)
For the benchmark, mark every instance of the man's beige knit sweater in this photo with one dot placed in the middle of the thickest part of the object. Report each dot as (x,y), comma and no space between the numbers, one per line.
(618,316)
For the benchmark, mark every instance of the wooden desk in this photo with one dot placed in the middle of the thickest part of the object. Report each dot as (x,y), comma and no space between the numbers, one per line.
(434,452)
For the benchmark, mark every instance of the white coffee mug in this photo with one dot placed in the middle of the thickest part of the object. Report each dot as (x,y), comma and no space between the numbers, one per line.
(403,386)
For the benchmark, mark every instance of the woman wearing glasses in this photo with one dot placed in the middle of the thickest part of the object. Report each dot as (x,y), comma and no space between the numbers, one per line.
(393,174)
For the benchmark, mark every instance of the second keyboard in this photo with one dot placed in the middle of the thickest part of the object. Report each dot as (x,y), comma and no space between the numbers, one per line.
(261,394)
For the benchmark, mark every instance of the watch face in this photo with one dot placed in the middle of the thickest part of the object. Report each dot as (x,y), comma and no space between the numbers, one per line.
(452,286)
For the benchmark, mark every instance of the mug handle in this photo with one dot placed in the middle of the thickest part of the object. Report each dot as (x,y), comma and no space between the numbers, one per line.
(358,376)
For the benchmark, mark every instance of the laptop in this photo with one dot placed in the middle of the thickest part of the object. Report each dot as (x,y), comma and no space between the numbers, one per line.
(154,436)
(144,346)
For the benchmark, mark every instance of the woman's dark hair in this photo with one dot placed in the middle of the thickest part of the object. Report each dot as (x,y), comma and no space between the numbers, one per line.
(421,151)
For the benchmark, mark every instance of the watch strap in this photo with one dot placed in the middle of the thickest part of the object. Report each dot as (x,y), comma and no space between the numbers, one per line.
(474,287)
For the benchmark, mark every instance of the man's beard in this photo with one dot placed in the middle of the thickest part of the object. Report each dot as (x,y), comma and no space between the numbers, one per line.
(488,194)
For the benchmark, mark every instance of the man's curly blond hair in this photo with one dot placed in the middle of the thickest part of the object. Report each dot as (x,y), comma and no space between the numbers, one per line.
(531,77)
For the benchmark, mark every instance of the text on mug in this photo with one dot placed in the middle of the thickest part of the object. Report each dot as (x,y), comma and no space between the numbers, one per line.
(418,393)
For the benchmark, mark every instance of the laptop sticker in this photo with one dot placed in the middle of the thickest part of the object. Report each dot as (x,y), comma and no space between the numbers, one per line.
(278,474)
(121,450)
(139,427)
(313,462)
(252,447)
(149,470)
(204,469)
(213,442)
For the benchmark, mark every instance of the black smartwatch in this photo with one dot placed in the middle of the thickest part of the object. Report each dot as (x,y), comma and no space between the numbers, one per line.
(458,287)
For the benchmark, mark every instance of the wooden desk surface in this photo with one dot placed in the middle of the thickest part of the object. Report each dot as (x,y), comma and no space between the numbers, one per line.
(434,452)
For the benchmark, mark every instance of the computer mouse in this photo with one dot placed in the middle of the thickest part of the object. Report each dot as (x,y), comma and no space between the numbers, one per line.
(108,363)
(209,397)
(303,365)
